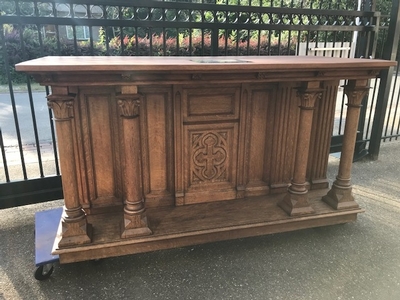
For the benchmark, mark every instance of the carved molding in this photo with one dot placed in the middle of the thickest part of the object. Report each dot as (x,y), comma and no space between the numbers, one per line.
(61,106)
(129,105)
(197,76)
(127,77)
(373,72)
(262,75)
(43,78)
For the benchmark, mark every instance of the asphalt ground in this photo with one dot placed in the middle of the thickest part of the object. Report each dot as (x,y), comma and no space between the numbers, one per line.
(359,260)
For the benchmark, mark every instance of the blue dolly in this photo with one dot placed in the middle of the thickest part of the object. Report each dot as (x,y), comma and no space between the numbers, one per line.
(46,225)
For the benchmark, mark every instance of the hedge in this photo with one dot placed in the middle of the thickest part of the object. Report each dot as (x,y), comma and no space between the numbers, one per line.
(30,48)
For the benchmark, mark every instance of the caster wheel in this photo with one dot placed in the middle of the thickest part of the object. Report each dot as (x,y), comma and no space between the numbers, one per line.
(44,272)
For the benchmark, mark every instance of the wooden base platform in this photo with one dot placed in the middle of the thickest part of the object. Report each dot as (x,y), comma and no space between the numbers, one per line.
(202,223)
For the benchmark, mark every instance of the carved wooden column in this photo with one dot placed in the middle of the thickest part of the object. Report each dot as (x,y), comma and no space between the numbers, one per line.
(135,220)
(340,195)
(296,200)
(74,227)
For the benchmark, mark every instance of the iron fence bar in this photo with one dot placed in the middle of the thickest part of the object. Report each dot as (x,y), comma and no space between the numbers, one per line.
(390,51)
(73,26)
(389,113)
(150,35)
(397,106)
(367,132)
(57,30)
(35,129)
(214,41)
(342,107)
(121,40)
(3,155)
(334,44)
(365,48)
(53,136)
(398,130)
(89,15)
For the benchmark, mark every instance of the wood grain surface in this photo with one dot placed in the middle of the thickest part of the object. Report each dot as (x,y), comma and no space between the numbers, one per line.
(161,152)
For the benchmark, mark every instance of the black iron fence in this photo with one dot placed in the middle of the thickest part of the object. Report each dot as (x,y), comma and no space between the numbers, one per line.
(29,171)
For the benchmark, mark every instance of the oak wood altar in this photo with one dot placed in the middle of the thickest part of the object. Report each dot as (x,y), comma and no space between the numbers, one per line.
(161,152)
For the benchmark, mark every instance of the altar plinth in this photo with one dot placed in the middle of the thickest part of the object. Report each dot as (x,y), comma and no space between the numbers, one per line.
(163,152)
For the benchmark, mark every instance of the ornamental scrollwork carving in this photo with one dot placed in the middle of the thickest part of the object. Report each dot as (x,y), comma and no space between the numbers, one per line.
(43,78)
(197,76)
(373,72)
(209,156)
(129,105)
(126,77)
(262,75)
(319,74)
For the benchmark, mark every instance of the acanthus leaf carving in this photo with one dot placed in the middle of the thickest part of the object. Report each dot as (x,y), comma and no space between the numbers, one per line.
(308,98)
(129,105)
(127,77)
(197,76)
(262,75)
(355,95)
(62,106)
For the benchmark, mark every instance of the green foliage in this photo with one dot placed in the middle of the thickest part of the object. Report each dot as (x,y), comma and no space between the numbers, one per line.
(28,47)
(25,46)
(196,45)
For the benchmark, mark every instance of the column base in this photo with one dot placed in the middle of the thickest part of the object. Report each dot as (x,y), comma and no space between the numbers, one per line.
(74,233)
(135,225)
(340,198)
(296,204)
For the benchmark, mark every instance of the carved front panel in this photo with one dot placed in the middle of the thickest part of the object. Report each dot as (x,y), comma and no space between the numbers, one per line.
(210,164)
(208,157)
(209,142)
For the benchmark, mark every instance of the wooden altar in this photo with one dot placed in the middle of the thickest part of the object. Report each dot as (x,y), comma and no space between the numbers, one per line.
(163,152)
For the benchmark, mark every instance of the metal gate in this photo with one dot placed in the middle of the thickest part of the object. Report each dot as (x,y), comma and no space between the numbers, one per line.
(29,171)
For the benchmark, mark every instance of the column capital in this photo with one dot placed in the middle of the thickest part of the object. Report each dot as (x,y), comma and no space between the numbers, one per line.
(355,95)
(62,106)
(129,105)
(308,97)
